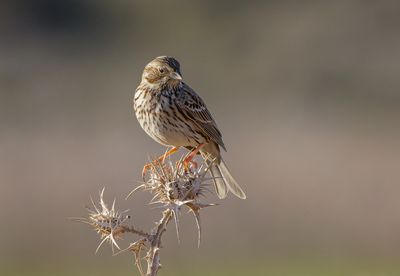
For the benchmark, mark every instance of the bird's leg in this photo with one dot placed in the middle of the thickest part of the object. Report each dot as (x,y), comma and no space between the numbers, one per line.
(160,159)
(188,160)
(168,153)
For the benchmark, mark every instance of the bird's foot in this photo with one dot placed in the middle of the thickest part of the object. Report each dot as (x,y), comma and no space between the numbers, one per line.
(188,164)
(159,160)
(189,159)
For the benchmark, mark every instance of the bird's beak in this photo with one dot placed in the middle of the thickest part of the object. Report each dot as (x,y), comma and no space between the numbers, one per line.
(175,76)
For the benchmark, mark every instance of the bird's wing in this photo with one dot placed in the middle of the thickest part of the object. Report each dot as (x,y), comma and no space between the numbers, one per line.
(195,109)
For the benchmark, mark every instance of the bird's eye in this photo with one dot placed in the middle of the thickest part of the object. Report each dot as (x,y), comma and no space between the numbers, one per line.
(162,70)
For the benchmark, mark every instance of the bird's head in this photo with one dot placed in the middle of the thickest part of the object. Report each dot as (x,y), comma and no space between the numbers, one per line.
(162,71)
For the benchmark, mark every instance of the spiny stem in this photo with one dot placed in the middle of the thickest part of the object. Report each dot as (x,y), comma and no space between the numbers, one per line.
(153,255)
(131,229)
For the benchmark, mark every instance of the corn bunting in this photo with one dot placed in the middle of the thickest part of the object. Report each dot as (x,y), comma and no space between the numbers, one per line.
(174,115)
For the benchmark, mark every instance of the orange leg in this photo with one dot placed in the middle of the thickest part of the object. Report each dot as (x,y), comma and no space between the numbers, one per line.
(159,159)
(188,160)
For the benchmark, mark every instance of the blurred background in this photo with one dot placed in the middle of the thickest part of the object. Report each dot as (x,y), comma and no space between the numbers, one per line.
(306,93)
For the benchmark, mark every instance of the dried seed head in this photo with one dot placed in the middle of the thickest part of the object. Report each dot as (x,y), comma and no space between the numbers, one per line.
(174,183)
(174,186)
(107,222)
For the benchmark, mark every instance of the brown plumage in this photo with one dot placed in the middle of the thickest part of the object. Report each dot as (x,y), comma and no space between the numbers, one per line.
(174,115)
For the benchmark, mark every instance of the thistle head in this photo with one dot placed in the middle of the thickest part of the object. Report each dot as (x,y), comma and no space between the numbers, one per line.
(107,222)
(175,186)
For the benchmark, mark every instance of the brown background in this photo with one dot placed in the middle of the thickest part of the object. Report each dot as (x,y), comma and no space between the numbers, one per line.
(306,94)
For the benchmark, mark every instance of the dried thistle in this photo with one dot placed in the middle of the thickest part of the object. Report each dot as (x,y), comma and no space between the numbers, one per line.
(172,187)
(105,221)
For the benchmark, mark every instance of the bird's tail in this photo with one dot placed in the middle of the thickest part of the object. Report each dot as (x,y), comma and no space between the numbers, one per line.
(224,181)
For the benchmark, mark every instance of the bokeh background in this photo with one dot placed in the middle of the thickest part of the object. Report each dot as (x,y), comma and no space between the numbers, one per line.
(306,93)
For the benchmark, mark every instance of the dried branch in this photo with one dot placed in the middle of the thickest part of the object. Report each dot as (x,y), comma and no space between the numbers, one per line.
(153,255)
(173,187)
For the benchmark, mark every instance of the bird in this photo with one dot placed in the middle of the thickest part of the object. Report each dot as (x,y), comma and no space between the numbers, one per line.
(174,115)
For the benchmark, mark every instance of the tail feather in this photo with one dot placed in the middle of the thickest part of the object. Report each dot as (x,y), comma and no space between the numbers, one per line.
(230,182)
(220,186)
(224,181)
